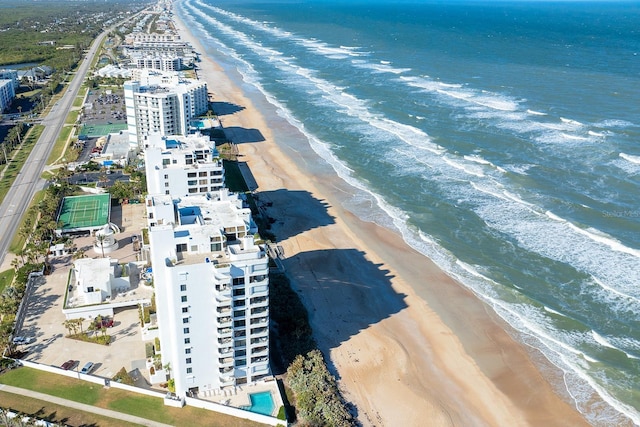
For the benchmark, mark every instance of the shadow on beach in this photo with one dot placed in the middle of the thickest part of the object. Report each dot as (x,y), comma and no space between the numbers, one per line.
(343,292)
(240,135)
(293,212)
(225,108)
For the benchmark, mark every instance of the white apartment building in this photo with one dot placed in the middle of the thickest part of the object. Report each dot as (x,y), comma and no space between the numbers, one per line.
(7,93)
(162,103)
(8,74)
(212,291)
(183,165)
(158,62)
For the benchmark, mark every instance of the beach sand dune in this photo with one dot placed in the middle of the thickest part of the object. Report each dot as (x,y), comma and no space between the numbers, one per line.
(441,358)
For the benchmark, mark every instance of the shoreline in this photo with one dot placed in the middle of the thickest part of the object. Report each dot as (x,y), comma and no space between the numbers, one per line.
(400,358)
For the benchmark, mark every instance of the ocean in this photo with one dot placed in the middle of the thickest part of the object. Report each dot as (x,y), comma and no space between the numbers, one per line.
(501,139)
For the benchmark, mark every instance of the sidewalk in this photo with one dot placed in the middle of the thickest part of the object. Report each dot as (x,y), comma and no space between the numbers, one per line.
(81,406)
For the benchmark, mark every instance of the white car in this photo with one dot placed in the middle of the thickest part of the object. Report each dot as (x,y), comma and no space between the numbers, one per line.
(23,340)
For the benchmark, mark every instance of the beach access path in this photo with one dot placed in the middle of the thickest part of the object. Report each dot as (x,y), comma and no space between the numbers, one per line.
(441,358)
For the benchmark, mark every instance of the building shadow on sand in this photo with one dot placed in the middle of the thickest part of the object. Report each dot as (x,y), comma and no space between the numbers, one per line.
(240,135)
(225,108)
(292,212)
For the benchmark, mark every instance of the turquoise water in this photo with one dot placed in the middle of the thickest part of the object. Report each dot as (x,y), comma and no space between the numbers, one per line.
(500,139)
(261,403)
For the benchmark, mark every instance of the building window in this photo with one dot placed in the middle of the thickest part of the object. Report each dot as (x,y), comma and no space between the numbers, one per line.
(166,176)
(166,184)
(185,309)
(167,192)
(185,330)
(239,323)
(183,298)
(185,320)
(189,370)
(187,340)
(188,360)
(238,281)
(191,175)
(241,362)
(183,288)
(202,174)
(187,351)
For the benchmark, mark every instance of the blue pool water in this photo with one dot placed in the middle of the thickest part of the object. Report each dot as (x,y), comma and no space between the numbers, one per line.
(261,403)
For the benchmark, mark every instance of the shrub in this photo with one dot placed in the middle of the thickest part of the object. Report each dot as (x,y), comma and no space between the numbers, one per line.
(317,396)
(123,377)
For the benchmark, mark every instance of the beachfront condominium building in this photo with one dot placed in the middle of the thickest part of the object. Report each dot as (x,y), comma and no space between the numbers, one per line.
(164,103)
(212,291)
(183,165)
(158,62)
(7,93)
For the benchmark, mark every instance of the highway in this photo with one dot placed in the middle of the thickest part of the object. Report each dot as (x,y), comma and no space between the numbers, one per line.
(28,181)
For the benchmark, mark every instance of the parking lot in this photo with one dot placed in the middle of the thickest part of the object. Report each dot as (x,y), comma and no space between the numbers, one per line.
(44,320)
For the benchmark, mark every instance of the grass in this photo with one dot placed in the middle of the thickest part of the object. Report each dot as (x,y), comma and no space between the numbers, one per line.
(148,407)
(18,241)
(6,278)
(72,117)
(57,414)
(19,159)
(60,145)
(78,102)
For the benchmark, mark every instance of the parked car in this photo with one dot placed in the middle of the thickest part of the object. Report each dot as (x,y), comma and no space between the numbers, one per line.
(104,322)
(69,364)
(23,340)
(87,368)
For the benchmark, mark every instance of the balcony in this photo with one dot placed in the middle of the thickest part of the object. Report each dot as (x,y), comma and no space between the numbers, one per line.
(259,359)
(259,310)
(259,300)
(259,331)
(259,351)
(226,371)
(224,321)
(260,321)
(260,340)
(226,361)
(224,309)
(223,341)
(224,332)
(224,381)
(225,351)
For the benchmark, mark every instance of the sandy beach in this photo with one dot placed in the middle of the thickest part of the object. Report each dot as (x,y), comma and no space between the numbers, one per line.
(440,358)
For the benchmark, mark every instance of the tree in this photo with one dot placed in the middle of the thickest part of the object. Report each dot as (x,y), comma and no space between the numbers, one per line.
(68,324)
(101,239)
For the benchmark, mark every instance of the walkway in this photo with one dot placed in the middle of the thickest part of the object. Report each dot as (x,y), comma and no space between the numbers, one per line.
(81,406)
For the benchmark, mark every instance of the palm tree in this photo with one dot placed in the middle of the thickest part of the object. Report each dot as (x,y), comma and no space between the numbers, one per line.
(101,238)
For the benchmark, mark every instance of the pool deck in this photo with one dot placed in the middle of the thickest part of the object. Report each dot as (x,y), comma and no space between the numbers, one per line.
(238,396)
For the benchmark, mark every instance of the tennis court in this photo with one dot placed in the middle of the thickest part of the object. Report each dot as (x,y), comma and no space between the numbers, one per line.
(80,213)
(97,130)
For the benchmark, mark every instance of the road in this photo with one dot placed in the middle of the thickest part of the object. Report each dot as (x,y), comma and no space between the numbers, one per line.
(28,181)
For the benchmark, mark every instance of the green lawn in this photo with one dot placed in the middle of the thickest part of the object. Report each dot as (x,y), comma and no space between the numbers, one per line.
(118,400)
(19,159)
(18,241)
(57,414)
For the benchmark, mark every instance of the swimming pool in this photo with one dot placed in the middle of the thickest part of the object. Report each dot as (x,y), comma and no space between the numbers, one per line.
(261,403)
